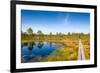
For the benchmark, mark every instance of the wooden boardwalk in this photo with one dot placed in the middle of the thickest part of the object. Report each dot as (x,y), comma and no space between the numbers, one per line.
(81,54)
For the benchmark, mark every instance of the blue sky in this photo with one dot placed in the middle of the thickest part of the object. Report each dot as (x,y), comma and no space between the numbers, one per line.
(51,21)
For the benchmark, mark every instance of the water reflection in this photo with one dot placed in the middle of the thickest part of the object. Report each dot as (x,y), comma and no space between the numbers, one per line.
(40,44)
(34,51)
(24,44)
(50,44)
(31,46)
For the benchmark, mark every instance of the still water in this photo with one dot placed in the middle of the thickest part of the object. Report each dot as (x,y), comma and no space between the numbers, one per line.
(35,51)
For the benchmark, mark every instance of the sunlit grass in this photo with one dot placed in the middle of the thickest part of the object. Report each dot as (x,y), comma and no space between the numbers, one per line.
(63,54)
(69,51)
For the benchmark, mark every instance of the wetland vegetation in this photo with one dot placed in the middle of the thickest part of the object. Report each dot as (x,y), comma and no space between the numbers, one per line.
(37,47)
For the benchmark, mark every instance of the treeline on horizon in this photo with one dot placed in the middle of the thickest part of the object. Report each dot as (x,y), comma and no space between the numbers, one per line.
(39,32)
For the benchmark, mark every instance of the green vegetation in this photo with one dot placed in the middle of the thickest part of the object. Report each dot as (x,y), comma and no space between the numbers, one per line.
(63,54)
(70,42)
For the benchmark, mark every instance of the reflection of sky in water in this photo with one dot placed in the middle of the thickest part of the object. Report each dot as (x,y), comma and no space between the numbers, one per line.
(39,49)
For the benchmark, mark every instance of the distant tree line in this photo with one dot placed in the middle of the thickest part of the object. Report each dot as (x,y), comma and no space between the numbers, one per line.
(39,32)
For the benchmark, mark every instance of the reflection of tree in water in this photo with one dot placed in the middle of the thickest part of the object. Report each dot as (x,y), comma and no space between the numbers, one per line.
(50,44)
(24,44)
(40,44)
(31,46)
